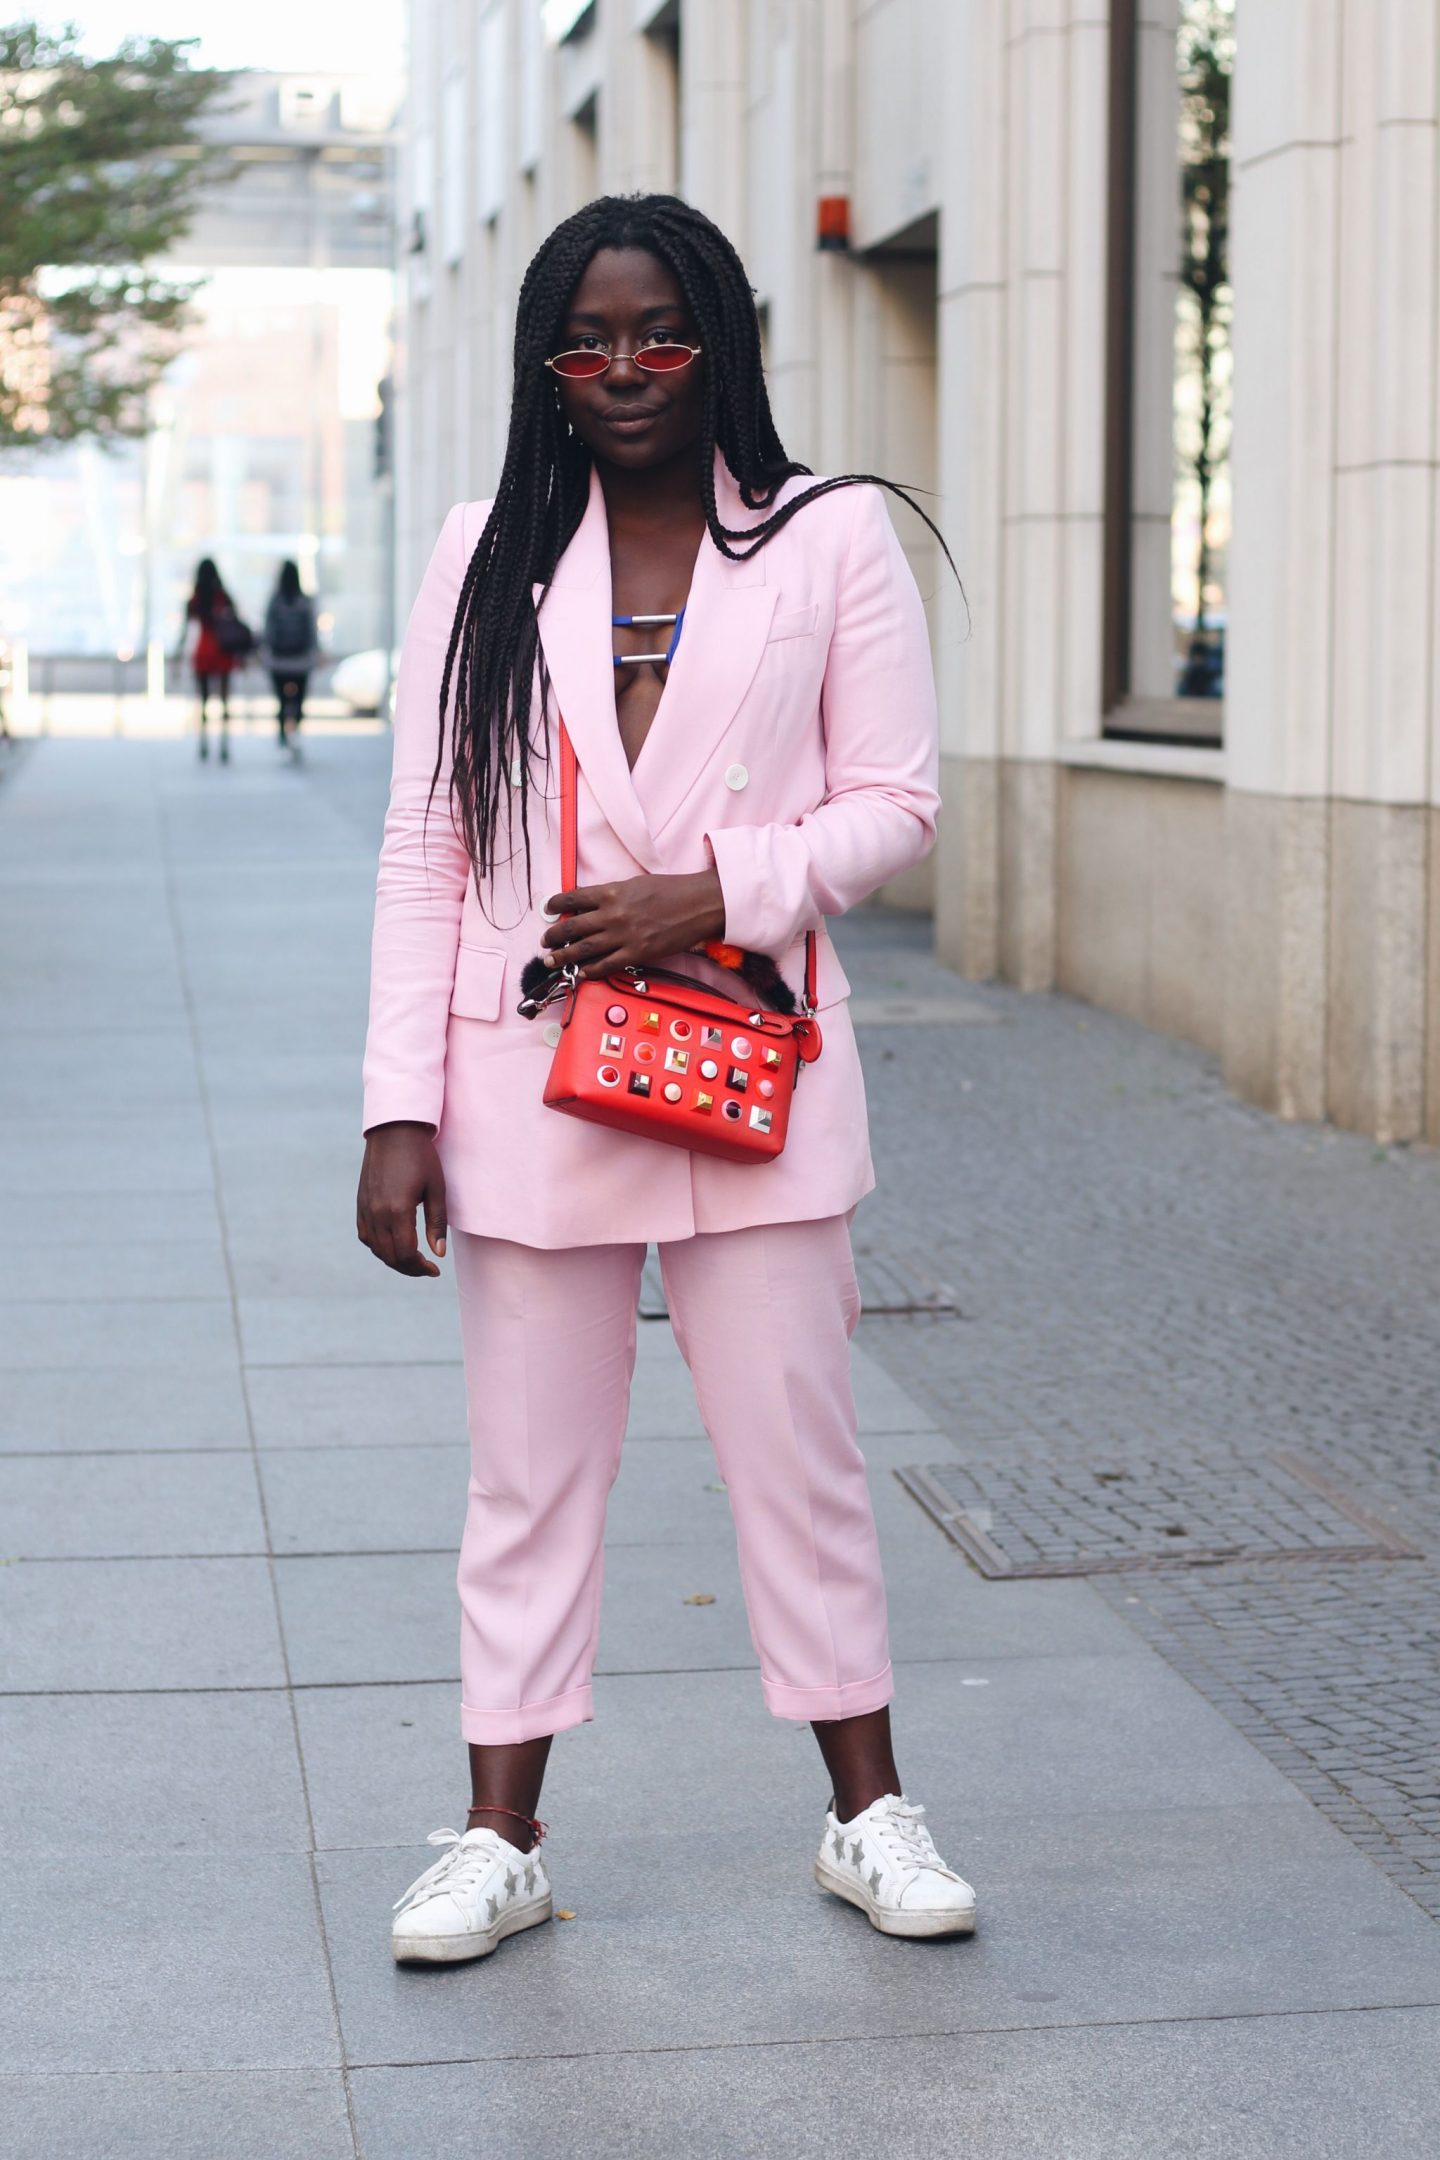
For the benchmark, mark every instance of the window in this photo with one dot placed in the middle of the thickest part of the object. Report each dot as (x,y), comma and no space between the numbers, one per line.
(1167,510)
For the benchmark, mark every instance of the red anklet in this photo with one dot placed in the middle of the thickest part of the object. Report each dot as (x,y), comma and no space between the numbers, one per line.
(491,1807)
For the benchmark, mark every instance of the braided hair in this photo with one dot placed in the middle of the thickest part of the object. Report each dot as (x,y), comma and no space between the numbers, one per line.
(544,487)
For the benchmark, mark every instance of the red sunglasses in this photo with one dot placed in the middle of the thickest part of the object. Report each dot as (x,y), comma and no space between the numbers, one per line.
(585,363)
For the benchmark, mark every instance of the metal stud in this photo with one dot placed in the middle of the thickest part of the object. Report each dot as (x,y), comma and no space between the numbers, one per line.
(741,1046)
(771,1057)
(737,1079)
(681,1030)
(765,1087)
(712,1037)
(616,1015)
(677,1061)
(608,1076)
(644,1053)
(612,1045)
(730,1110)
(759,1119)
(651,1020)
(709,1070)
(673,1091)
(704,1101)
(639,1083)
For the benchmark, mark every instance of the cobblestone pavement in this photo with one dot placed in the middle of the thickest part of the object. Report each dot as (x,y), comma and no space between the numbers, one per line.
(1149,1272)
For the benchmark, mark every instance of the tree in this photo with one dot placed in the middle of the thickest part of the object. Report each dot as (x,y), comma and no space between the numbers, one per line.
(101,165)
(1207,64)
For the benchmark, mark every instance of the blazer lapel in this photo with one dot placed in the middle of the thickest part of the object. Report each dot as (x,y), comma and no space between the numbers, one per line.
(575,633)
(727,621)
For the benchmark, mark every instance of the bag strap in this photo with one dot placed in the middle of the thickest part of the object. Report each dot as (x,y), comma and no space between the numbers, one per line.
(570,850)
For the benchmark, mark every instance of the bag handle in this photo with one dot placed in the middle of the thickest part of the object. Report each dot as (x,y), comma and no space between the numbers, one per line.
(570,850)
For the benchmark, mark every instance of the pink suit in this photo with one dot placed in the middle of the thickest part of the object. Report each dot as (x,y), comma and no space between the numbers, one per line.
(795,748)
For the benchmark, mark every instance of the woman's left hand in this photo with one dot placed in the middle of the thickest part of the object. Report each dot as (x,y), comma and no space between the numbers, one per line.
(635,922)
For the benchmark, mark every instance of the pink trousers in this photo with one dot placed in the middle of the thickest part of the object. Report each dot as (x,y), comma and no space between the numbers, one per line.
(763,1318)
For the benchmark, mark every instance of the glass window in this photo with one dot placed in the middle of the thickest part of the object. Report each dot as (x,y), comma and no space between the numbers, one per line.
(1168,491)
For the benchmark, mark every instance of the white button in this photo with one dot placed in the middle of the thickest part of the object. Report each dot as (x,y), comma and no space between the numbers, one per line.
(515,772)
(552,1031)
(736,777)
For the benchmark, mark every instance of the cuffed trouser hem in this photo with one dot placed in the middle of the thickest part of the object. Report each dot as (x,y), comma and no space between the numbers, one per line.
(531,1721)
(851,1699)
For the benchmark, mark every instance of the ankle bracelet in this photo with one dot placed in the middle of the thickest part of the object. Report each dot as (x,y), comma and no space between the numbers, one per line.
(492,1807)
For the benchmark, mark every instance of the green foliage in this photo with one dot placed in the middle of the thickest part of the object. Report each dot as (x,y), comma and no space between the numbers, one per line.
(101,164)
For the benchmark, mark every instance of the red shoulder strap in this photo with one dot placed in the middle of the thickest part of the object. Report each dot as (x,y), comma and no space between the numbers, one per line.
(570,848)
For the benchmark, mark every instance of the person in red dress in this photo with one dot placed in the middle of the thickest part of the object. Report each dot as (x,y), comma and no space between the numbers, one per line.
(212,663)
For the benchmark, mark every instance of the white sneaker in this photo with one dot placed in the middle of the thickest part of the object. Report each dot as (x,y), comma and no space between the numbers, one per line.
(483,1889)
(886,1863)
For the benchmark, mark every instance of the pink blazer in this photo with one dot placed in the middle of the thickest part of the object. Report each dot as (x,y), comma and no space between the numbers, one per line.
(794,746)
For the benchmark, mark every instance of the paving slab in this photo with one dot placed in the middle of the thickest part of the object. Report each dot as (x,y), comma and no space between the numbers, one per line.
(81,1625)
(1346,2087)
(75,1507)
(369,1499)
(385,1764)
(66,1161)
(180,2115)
(124,1408)
(62,1333)
(73,1273)
(357,1406)
(1122,1916)
(179,1772)
(395,1324)
(162,1961)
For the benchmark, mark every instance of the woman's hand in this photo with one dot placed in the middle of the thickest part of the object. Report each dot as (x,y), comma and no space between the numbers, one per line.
(401,1172)
(634,922)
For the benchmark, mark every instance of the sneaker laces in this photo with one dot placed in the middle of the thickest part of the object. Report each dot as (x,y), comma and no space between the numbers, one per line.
(455,1870)
(900,1827)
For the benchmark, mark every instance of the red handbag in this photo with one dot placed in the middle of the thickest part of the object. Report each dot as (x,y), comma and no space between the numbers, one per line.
(664,1056)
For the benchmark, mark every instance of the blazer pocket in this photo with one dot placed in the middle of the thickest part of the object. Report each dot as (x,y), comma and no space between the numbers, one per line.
(479,980)
(798,622)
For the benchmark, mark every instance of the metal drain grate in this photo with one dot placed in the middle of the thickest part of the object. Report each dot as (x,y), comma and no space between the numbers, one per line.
(889,1283)
(1032,1516)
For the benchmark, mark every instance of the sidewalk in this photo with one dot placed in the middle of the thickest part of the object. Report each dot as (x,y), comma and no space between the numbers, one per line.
(229,1497)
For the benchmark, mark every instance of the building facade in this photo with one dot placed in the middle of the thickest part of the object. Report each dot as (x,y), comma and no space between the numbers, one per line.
(1144,293)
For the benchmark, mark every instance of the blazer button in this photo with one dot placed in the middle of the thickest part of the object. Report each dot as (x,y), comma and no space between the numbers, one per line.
(515,772)
(551,1032)
(736,777)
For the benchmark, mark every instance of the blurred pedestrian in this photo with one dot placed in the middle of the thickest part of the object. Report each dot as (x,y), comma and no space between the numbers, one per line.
(291,652)
(224,641)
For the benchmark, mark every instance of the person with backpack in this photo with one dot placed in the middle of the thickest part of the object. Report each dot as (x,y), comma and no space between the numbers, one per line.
(225,640)
(291,648)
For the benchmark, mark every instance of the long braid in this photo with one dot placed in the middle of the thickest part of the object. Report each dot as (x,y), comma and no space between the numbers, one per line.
(487,688)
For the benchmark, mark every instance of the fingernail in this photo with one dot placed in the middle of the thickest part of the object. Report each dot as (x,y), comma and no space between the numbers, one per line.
(440,1245)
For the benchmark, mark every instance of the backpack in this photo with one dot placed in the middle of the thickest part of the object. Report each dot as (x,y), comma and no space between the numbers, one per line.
(232,633)
(291,629)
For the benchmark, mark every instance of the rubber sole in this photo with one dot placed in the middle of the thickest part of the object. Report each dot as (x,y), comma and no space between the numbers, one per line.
(462,1949)
(913,1925)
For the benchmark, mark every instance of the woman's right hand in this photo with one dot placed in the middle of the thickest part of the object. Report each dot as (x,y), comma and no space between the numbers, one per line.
(401,1172)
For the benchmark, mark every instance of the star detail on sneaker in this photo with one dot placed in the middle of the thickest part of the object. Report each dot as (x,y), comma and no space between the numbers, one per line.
(493,1906)
(857,1851)
(511,1878)
(914,1893)
(874,1879)
(839,1843)
(530,1876)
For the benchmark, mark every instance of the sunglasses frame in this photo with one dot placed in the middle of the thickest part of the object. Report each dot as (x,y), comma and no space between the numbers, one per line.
(692,352)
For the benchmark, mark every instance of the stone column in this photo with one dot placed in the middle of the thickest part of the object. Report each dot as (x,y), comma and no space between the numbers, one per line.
(1329,694)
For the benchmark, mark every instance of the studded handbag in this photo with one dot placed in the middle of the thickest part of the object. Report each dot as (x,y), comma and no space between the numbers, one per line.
(661,1055)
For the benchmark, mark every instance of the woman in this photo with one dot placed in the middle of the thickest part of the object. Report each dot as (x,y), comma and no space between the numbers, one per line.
(213,661)
(767,759)
(290,649)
